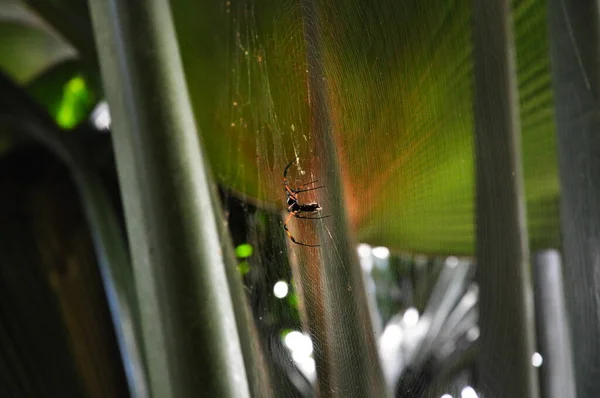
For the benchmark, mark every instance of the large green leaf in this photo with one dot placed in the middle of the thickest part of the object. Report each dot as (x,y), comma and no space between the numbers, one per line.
(399,80)
(29,45)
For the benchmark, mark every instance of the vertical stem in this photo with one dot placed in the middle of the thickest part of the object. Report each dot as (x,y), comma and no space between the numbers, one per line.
(117,277)
(353,366)
(189,329)
(556,375)
(574,45)
(505,300)
(308,275)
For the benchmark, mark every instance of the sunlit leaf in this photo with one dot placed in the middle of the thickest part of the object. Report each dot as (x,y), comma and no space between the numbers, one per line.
(243,267)
(244,250)
(75,103)
(28,46)
(67,91)
(292,299)
(399,81)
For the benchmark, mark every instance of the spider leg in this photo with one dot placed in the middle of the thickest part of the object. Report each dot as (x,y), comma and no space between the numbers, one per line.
(287,220)
(308,183)
(313,218)
(309,189)
(288,166)
(291,192)
(299,243)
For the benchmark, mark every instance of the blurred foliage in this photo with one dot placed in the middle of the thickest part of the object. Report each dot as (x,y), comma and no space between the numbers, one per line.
(56,331)
(244,250)
(69,112)
(67,93)
(29,45)
(244,267)
(399,79)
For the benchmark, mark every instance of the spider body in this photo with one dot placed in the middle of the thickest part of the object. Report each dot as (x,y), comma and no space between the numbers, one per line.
(295,208)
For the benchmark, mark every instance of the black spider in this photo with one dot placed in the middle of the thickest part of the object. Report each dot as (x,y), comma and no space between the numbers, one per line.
(295,207)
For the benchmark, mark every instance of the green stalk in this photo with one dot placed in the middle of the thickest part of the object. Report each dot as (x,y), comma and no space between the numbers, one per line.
(338,316)
(506,313)
(188,325)
(115,268)
(574,31)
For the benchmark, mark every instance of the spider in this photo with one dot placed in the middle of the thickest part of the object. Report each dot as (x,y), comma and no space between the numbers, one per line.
(295,207)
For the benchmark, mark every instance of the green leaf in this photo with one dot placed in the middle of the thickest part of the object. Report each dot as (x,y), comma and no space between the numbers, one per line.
(243,267)
(28,45)
(67,91)
(75,103)
(244,250)
(399,79)
(405,146)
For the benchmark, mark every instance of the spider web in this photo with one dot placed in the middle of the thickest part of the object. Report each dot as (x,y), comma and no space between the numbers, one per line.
(398,79)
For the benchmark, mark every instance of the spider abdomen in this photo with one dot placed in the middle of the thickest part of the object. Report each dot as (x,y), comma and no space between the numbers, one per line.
(310,207)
